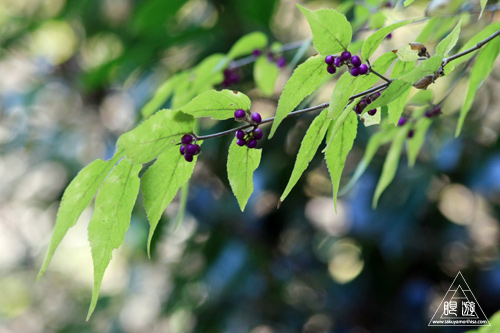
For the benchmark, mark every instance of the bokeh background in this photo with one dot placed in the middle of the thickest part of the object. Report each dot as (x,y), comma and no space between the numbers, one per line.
(74,76)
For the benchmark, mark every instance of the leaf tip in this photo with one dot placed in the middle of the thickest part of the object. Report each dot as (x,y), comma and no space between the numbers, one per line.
(279,204)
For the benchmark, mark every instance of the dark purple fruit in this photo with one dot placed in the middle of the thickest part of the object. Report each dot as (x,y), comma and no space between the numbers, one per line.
(363,69)
(355,61)
(187,139)
(331,69)
(329,59)
(188,157)
(252,143)
(281,62)
(372,112)
(338,62)
(256,117)
(257,52)
(240,142)
(182,149)
(411,133)
(240,135)
(191,149)
(402,121)
(239,114)
(258,134)
(355,71)
(346,55)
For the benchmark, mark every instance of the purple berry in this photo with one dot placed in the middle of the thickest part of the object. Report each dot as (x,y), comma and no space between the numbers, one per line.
(240,142)
(252,143)
(331,69)
(270,57)
(338,62)
(402,121)
(191,149)
(187,139)
(411,133)
(357,109)
(182,149)
(346,55)
(355,61)
(428,114)
(257,52)
(363,69)
(239,114)
(355,71)
(281,62)
(389,36)
(362,104)
(258,134)
(256,117)
(372,112)
(374,96)
(329,59)
(240,135)
(188,157)
(198,149)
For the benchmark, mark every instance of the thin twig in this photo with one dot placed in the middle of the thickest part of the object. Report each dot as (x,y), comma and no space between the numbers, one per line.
(378,74)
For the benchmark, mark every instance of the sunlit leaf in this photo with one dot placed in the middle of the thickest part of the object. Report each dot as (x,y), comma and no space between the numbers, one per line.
(483,34)
(338,121)
(373,41)
(344,89)
(397,106)
(331,31)
(483,5)
(265,74)
(76,198)
(391,163)
(414,144)
(241,164)
(217,104)
(448,43)
(408,2)
(161,182)
(422,97)
(480,72)
(377,20)
(246,44)
(306,78)
(396,89)
(111,219)
(155,135)
(338,150)
(310,143)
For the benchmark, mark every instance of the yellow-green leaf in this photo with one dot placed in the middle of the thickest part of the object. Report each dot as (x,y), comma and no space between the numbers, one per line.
(217,104)
(265,74)
(374,40)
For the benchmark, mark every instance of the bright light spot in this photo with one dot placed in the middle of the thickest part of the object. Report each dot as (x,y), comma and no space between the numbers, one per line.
(457,204)
(345,262)
(321,212)
(100,49)
(55,41)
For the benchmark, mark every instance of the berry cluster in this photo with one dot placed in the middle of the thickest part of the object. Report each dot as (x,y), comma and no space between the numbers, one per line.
(248,138)
(352,62)
(402,121)
(231,76)
(271,57)
(189,149)
(431,113)
(359,108)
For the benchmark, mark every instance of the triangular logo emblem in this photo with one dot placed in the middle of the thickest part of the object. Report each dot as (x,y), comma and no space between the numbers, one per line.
(459,307)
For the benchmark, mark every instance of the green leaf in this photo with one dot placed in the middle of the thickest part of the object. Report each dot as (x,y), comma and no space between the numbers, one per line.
(377,20)
(344,88)
(427,67)
(76,198)
(183,198)
(414,144)
(337,152)
(427,31)
(483,5)
(373,41)
(331,31)
(111,219)
(338,121)
(376,140)
(160,96)
(246,44)
(241,164)
(408,53)
(217,104)
(479,74)
(206,74)
(396,89)
(361,15)
(304,81)
(380,65)
(483,34)
(408,2)
(391,163)
(369,120)
(155,135)
(447,44)
(265,74)
(422,97)
(397,106)
(161,182)
(314,135)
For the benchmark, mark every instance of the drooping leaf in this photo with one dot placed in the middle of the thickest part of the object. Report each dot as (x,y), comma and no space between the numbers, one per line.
(111,219)
(241,164)
(373,41)
(155,135)
(313,138)
(344,89)
(427,31)
(305,80)
(414,144)
(427,67)
(161,182)
(479,74)
(391,163)
(338,150)
(396,89)
(447,44)
(397,106)
(422,97)
(160,96)
(376,140)
(265,74)
(246,44)
(217,104)
(76,198)
(483,5)
(338,122)
(483,34)
(183,198)
(331,31)
(377,20)
(206,74)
